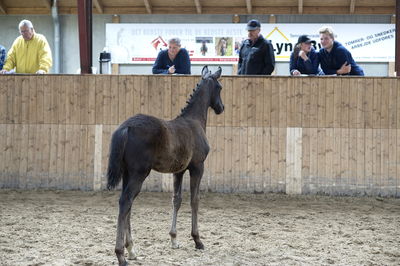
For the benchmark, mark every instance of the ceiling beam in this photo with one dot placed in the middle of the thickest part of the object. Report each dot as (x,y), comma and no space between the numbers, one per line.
(47,3)
(3,8)
(148,6)
(198,6)
(249,7)
(99,6)
(352,6)
(300,6)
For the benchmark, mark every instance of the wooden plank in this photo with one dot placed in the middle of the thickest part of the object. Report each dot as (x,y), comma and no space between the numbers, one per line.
(258,160)
(64,92)
(313,113)
(282,159)
(329,148)
(259,101)
(369,155)
(155,99)
(306,87)
(377,103)
(228,159)
(123,99)
(291,106)
(219,159)
(14,156)
(107,100)
(244,84)
(53,174)
(392,164)
(23,101)
(369,103)
(98,153)
(236,103)
(144,95)
(167,98)
(45,151)
(344,160)
(267,102)
(345,104)
(330,102)
(10,89)
(361,96)
(293,162)
(251,154)
(274,159)
(337,103)
(266,163)
(23,163)
(107,131)
(305,155)
(361,156)
(90,156)
(298,103)
(32,104)
(393,103)
(8,154)
(227,99)
(384,183)
(283,107)
(3,100)
(274,102)
(30,174)
(250,102)
(99,100)
(352,181)
(353,91)
(40,99)
(69,158)
(244,179)
(321,106)
(313,181)
(209,184)
(321,158)
(70,99)
(83,98)
(397,164)
(61,156)
(92,99)
(54,109)
(47,93)
(385,93)
(3,147)
(376,162)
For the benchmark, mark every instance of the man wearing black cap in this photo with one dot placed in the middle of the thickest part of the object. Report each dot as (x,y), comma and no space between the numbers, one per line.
(256,56)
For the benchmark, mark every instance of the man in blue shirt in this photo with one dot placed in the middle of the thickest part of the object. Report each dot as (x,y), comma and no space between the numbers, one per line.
(174,60)
(2,56)
(335,59)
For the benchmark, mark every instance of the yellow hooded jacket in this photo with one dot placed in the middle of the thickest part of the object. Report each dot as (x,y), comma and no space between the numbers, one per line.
(29,56)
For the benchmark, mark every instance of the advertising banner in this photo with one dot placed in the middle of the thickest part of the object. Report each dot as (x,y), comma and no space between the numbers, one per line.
(219,43)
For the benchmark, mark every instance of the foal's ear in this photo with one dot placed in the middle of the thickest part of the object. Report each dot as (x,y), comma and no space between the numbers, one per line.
(204,72)
(217,74)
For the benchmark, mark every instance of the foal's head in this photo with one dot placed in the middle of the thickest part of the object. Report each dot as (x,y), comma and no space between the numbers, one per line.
(215,88)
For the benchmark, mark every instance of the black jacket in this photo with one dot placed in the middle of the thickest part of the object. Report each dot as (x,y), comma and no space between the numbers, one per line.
(257,59)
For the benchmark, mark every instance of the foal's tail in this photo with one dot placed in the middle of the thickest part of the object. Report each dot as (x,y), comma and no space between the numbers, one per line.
(116,166)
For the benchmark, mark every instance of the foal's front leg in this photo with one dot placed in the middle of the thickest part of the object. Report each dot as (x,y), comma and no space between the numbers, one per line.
(196,173)
(176,202)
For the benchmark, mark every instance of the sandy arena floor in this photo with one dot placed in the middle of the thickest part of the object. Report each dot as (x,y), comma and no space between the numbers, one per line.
(78,228)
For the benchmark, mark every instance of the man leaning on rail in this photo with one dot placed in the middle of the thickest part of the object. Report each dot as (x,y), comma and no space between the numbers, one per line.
(30,52)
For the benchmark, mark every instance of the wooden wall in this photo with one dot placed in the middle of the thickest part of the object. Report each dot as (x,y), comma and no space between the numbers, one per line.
(333,135)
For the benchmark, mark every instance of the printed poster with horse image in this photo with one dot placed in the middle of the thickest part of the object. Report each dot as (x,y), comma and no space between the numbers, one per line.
(138,43)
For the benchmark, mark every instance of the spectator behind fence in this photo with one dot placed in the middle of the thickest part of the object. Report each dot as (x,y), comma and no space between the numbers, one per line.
(2,56)
(256,55)
(30,52)
(334,57)
(174,60)
(304,59)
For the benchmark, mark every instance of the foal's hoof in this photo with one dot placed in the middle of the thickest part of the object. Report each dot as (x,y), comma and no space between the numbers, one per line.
(175,244)
(199,246)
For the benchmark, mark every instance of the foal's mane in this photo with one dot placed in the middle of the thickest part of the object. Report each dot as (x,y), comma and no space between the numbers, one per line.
(191,99)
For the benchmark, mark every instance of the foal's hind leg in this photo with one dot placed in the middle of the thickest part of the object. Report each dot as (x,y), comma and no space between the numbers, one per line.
(196,173)
(176,202)
(129,193)
(128,238)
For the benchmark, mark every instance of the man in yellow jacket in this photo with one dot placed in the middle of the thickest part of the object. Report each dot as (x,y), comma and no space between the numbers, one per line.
(30,52)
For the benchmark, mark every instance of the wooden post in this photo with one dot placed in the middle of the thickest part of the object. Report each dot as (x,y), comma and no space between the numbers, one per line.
(85,35)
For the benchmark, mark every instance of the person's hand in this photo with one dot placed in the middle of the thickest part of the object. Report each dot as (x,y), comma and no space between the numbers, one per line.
(40,72)
(296,72)
(344,69)
(303,55)
(3,71)
(171,70)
